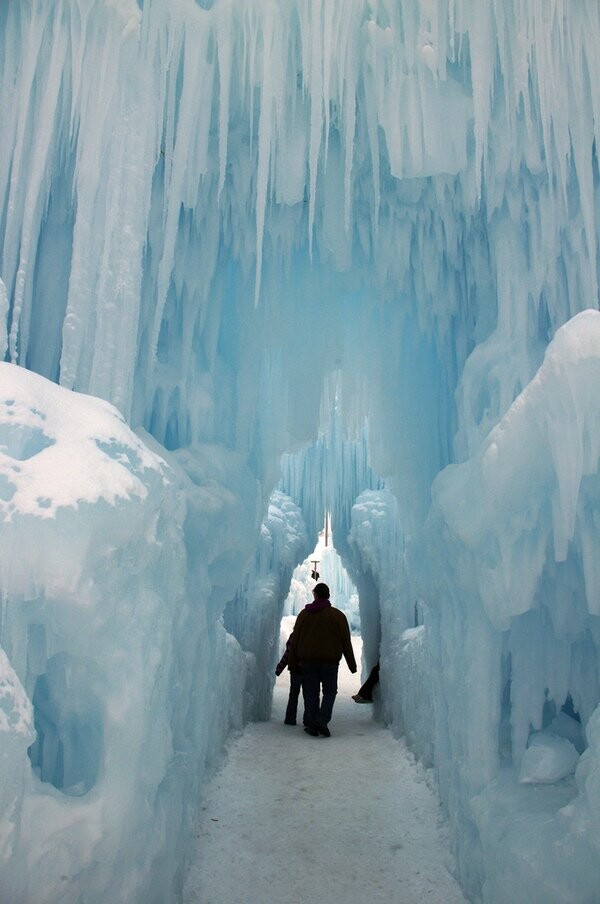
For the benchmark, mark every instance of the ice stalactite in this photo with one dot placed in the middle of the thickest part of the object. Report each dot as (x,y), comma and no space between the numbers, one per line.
(3,317)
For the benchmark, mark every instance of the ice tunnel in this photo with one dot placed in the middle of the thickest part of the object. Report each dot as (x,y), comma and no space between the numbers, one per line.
(260,260)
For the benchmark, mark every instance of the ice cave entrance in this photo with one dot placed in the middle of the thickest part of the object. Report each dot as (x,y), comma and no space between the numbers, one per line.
(323,564)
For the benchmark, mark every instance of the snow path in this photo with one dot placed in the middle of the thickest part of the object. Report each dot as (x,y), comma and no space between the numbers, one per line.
(303,820)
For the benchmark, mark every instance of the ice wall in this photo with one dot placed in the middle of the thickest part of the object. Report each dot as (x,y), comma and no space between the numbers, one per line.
(514,610)
(222,217)
(111,657)
(499,688)
(253,616)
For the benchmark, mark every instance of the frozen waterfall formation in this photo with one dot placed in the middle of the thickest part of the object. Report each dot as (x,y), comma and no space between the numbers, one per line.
(358,234)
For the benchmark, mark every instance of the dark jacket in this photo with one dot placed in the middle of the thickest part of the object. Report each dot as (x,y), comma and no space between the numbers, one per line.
(321,634)
(281,665)
(283,662)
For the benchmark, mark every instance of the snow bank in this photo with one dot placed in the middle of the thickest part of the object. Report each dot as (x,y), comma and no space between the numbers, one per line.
(547,759)
(105,646)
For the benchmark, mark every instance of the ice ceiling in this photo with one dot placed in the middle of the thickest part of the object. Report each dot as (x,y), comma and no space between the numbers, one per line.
(357,171)
(348,231)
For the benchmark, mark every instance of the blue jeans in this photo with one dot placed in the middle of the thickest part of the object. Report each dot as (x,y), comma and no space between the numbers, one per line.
(314,676)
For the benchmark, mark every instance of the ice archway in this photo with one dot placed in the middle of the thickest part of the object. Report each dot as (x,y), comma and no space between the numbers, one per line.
(218,217)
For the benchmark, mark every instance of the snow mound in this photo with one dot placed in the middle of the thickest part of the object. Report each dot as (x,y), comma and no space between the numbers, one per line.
(547,759)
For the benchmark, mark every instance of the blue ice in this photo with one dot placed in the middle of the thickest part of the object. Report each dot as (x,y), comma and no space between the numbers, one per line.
(260,262)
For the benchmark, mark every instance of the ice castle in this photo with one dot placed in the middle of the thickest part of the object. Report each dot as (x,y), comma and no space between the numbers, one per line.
(262,260)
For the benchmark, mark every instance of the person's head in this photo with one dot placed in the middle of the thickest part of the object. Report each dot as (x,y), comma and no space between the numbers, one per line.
(321,592)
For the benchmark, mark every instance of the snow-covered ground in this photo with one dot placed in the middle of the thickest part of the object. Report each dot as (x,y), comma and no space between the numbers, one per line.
(292,818)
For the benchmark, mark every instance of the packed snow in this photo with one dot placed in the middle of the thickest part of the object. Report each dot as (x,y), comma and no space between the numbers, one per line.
(349,818)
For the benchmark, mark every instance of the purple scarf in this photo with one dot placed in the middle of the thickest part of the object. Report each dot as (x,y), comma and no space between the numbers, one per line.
(317,605)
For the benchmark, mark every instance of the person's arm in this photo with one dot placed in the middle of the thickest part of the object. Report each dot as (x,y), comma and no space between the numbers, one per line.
(347,644)
(292,647)
(284,659)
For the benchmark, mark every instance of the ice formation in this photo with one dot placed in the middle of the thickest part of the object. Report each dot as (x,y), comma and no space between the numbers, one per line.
(358,234)
(332,572)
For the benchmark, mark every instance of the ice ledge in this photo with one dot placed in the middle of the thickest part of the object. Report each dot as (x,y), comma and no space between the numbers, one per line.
(45,429)
(526,495)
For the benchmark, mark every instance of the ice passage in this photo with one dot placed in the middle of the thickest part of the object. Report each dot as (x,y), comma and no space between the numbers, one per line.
(358,234)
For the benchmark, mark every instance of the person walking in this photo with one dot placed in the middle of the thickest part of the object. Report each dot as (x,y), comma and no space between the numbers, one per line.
(320,638)
(295,686)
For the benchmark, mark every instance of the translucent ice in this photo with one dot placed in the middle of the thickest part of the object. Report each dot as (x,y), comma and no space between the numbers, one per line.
(548,758)
(98,628)
(359,233)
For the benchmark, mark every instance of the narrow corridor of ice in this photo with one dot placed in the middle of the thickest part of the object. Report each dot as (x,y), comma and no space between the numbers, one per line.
(304,820)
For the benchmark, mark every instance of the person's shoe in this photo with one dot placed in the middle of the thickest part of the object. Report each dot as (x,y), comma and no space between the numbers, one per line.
(311,730)
(358,699)
(323,730)
(289,722)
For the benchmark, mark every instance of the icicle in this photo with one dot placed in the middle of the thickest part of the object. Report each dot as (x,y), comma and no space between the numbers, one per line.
(223,37)
(348,64)
(482,73)
(265,125)
(327,54)
(18,186)
(119,285)
(37,191)
(316,110)
(372,78)
(96,106)
(3,321)
(193,79)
